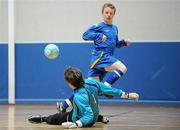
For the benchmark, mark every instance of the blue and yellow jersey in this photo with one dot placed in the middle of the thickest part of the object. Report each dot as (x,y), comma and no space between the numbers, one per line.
(96,32)
(102,54)
(86,104)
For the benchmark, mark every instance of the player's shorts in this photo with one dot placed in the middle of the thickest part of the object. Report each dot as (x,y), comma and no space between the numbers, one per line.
(96,73)
(99,62)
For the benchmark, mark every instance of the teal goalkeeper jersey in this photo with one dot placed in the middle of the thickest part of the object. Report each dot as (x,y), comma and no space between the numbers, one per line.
(86,104)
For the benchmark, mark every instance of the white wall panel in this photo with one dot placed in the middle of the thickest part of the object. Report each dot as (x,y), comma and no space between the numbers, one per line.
(65,20)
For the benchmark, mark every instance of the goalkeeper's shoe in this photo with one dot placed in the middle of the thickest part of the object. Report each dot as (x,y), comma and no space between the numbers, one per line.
(105,120)
(36,119)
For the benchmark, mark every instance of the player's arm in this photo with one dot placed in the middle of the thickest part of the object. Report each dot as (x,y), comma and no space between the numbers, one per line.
(82,103)
(106,90)
(92,33)
(121,43)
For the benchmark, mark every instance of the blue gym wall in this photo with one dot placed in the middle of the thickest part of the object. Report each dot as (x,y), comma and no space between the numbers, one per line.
(3,72)
(153,72)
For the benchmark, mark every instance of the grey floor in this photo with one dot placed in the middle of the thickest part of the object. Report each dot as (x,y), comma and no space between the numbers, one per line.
(122,117)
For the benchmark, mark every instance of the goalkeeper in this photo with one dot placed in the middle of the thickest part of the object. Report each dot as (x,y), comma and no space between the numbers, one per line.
(85,103)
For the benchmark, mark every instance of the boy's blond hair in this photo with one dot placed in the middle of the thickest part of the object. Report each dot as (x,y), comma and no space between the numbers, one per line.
(110,6)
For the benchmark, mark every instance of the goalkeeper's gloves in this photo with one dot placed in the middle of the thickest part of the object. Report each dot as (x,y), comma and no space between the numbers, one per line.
(132,96)
(72,125)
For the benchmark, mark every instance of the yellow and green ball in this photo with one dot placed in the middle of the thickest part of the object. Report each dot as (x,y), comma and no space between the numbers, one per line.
(51,51)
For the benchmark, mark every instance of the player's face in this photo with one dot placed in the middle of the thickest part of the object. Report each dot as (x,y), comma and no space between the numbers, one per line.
(70,85)
(108,15)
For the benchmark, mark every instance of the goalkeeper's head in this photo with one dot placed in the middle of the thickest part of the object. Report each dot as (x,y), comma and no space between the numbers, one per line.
(74,77)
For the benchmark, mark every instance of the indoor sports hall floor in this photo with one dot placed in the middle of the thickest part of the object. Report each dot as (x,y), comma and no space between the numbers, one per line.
(124,117)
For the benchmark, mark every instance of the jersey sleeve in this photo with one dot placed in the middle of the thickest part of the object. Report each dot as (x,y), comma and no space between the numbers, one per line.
(92,33)
(107,90)
(82,102)
(119,43)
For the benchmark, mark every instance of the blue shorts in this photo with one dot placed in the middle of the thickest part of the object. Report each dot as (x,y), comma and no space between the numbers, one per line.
(98,64)
(96,73)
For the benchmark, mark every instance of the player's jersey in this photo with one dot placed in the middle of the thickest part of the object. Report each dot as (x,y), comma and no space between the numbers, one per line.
(103,50)
(96,32)
(86,104)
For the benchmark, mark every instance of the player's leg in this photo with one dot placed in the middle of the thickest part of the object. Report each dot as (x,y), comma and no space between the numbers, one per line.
(96,74)
(63,106)
(56,119)
(95,78)
(37,119)
(59,118)
(115,71)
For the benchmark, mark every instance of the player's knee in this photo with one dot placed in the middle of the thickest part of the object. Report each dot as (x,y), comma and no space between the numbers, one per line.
(49,120)
(53,119)
(120,66)
(124,69)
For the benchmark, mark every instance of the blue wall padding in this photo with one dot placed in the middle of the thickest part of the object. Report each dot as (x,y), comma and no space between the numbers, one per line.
(38,77)
(153,70)
(3,72)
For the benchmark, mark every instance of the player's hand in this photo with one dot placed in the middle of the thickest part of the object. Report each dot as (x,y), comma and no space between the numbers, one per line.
(104,38)
(133,96)
(127,41)
(69,125)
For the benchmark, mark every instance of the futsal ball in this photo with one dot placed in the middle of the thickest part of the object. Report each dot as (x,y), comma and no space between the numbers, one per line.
(51,51)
